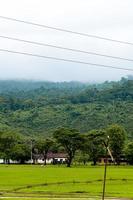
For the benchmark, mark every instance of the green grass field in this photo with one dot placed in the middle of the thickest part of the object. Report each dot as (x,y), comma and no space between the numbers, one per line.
(36,182)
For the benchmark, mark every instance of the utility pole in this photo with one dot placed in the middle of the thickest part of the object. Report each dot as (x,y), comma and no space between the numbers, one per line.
(105,167)
(31,154)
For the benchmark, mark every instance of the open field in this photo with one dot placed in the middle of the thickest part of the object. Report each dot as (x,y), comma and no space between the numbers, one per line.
(36,182)
(41,198)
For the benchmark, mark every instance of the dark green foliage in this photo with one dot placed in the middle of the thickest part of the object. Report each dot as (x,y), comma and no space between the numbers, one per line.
(7,142)
(43,146)
(117,136)
(94,145)
(71,140)
(20,152)
(129,152)
(82,157)
(39,108)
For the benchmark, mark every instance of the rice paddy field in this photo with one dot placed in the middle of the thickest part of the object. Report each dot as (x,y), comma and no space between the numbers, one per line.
(59,182)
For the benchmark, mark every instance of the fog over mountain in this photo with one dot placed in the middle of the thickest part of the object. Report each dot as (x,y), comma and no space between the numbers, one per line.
(110,19)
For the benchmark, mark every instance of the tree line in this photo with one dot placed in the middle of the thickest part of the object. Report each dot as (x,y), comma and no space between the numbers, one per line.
(80,147)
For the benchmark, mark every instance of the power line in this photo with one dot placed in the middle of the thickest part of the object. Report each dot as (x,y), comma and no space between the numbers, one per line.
(66,30)
(63,59)
(65,48)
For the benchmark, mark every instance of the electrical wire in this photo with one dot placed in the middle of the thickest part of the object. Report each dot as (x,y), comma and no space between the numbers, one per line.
(65,48)
(63,59)
(66,30)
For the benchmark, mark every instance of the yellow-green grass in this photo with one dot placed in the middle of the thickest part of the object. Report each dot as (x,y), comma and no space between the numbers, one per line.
(36,181)
(41,198)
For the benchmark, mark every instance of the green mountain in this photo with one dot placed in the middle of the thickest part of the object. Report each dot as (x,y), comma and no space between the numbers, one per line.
(40,107)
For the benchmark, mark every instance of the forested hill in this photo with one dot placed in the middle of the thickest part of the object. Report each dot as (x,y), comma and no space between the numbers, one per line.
(25,85)
(40,107)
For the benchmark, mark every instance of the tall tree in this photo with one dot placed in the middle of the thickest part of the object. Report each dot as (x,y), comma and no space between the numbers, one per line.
(44,146)
(117,139)
(94,145)
(71,140)
(20,152)
(7,141)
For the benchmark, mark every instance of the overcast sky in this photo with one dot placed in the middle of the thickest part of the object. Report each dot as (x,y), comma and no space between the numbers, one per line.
(107,18)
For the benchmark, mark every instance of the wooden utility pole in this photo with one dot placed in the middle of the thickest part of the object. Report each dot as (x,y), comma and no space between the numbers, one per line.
(31,154)
(105,167)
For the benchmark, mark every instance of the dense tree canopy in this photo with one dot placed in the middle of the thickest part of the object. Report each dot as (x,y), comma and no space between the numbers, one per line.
(39,108)
(94,145)
(117,139)
(44,146)
(71,140)
(7,142)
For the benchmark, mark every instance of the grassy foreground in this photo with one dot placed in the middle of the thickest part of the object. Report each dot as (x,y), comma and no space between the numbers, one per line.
(34,182)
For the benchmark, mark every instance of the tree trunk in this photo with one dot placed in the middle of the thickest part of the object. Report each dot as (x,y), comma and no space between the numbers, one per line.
(118,161)
(69,161)
(94,162)
(45,159)
(84,162)
(22,161)
(8,161)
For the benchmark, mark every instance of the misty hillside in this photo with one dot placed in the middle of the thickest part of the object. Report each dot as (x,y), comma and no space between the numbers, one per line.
(25,85)
(41,107)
